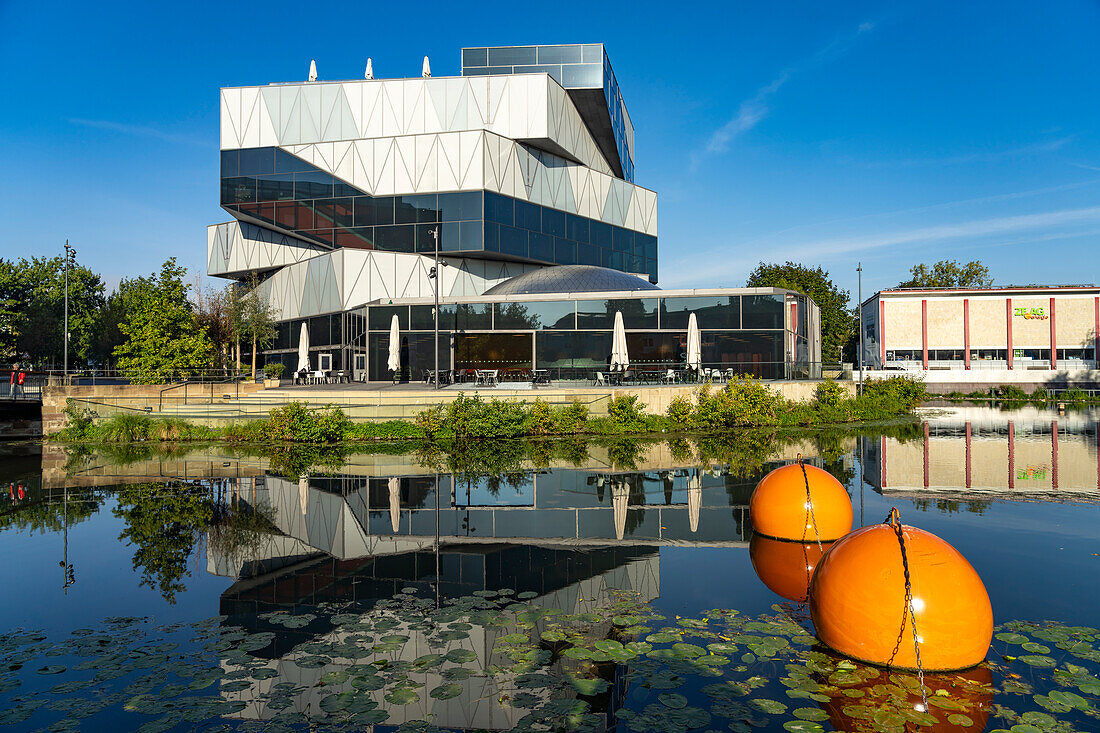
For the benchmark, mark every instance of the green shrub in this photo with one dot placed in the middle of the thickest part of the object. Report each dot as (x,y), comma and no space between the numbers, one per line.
(128,427)
(295,422)
(1008,392)
(571,419)
(743,401)
(274,369)
(472,417)
(904,393)
(830,394)
(626,410)
(681,411)
(78,420)
(540,419)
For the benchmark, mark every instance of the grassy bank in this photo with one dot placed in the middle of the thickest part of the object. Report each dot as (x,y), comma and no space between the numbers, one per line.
(1009,393)
(743,403)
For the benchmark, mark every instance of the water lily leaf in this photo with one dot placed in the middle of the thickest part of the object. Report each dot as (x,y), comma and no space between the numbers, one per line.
(588,686)
(1011,638)
(772,707)
(960,719)
(460,656)
(402,696)
(446,691)
(810,714)
(455,674)
(577,652)
(1034,648)
(1071,699)
(1036,660)
(673,700)
(803,726)
(52,669)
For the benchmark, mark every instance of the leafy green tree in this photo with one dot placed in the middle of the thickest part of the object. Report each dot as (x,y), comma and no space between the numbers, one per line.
(838,323)
(948,274)
(163,524)
(258,321)
(162,336)
(32,305)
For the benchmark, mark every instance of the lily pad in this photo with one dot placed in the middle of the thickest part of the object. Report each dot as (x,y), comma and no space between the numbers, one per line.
(588,686)
(446,691)
(673,700)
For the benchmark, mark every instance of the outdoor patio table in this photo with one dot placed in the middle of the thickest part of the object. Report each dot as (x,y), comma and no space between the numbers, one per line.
(540,376)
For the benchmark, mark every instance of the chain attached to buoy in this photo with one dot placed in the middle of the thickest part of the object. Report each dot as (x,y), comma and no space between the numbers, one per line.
(809,507)
(894,520)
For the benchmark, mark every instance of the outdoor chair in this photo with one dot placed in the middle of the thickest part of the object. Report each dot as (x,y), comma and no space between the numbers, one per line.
(671,377)
(601,380)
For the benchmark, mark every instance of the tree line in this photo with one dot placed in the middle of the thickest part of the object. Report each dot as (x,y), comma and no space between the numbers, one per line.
(151,328)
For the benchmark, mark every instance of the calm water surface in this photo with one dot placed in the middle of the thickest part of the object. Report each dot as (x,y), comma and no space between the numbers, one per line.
(132,551)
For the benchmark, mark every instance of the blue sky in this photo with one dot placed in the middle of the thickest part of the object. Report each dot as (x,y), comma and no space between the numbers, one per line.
(824,133)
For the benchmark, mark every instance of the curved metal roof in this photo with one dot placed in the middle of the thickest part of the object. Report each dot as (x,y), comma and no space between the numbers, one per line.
(570,279)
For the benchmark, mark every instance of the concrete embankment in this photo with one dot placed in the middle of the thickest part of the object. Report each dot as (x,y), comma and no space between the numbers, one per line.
(221,404)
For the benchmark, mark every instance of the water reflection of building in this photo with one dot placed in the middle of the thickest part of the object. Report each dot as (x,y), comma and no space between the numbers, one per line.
(985,451)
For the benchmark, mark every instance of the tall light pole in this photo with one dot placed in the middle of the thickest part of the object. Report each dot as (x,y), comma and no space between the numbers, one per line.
(859,336)
(70,259)
(434,275)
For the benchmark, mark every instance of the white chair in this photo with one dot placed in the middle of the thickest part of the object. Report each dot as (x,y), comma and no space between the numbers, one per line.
(600,380)
(670,377)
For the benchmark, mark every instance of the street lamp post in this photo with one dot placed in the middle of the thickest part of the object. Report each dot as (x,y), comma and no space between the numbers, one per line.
(859,336)
(70,259)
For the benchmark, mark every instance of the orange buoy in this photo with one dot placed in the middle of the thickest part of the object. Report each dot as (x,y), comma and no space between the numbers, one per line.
(801,503)
(877,698)
(785,567)
(858,600)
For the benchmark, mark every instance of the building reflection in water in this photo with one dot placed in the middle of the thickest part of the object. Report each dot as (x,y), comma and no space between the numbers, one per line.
(985,452)
(570,537)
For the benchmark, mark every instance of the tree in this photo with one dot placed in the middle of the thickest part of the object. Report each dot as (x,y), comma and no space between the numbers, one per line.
(215,310)
(948,274)
(162,336)
(32,306)
(258,320)
(837,322)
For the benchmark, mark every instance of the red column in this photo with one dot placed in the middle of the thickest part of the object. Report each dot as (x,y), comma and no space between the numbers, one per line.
(966,339)
(924,333)
(1011,455)
(1054,455)
(1053,339)
(1008,330)
(926,455)
(968,454)
(882,329)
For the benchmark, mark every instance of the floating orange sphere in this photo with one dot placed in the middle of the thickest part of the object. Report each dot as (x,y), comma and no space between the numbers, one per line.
(857,601)
(785,567)
(779,507)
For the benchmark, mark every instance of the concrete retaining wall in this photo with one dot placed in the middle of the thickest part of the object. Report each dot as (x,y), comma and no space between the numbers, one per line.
(943,381)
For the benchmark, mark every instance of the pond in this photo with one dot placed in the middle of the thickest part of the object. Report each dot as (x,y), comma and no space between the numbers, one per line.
(614,585)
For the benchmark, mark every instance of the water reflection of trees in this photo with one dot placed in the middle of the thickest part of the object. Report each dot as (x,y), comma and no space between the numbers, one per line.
(951,506)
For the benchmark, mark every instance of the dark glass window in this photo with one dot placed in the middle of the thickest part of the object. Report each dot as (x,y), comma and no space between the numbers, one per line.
(756,353)
(565,252)
(528,216)
(553,222)
(275,188)
(333,213)
(559,54)
(460,206)
(513,241)
(470,234)
(710,312)
(475,57)
(257,161)
(599,233)
(312,185)
(379,317)
(423,318)
(542,247)
(492,237)
(588,255)
(493,351)
(449,235)
(231,163)
(656,349)
(238,190)
(585,351)
(577,228)
(622,239)
(475,317)
(512,56)
(287,163)
(425,237)
(762,311)
(637,313)
(499,209)
(534,315)
(396,238)
(356,237)
(648,245)
(419,209)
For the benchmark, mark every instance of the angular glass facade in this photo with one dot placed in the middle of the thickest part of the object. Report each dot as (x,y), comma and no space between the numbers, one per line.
(571,337)
(577,68)
(276,189)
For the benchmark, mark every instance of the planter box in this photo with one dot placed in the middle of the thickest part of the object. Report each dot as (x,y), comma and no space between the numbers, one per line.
(271,383)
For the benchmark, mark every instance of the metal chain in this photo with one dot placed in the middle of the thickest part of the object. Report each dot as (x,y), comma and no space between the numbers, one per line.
(894,520)
(809,507)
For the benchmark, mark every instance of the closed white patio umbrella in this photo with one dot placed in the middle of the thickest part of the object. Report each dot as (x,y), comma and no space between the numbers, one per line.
(694,344)
(620,358)
(695,500)
(620,499)
(303,350)
(393,363)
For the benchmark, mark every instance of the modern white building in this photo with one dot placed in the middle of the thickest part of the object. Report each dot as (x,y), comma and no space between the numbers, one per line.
(342,194)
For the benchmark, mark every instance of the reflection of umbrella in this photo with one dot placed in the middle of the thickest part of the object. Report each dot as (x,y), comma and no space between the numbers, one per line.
(303,493)
(695,500)
(394,362)
(620,497)
(303,349)
(694,345)
(620,359)
(395,502)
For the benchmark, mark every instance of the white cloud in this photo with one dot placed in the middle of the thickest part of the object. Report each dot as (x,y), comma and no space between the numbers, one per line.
(141,131)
